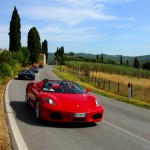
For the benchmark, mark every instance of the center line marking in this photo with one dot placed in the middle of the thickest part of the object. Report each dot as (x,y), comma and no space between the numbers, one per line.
(127,132)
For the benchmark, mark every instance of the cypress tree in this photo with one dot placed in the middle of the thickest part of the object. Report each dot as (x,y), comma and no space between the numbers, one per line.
(136,63)
(42,47)
(45,49)
(102,57)
(59,55)
(34,45)
(97,57)
(15,33)
(120,59)
(127,62)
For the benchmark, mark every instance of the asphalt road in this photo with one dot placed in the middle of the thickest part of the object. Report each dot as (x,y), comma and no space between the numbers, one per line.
(124,127)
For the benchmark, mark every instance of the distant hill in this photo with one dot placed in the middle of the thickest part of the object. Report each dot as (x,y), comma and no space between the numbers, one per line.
(116,58)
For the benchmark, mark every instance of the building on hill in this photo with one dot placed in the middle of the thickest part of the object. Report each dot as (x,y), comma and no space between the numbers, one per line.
(42,59)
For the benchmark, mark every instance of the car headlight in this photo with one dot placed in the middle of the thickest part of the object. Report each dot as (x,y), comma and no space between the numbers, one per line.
(98,103)
(50,101)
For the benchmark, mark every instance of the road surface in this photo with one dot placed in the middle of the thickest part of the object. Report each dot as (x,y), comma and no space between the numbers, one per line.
(124,127)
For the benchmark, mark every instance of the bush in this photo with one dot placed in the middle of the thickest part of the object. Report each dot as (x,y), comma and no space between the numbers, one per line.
(5,70)
(146,65)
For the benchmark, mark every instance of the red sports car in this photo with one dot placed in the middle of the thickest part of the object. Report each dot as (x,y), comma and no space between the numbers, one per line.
(63,101)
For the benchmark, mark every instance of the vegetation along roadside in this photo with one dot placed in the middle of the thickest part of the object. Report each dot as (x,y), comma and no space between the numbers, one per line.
(67,73)
(4,133)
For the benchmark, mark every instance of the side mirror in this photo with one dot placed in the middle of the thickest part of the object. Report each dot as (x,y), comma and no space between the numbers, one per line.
(34,87)
(88,90)
(32,83)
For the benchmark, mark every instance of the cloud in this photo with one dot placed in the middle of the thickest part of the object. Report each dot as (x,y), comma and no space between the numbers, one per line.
(67,20)
(70,12)
(59,33)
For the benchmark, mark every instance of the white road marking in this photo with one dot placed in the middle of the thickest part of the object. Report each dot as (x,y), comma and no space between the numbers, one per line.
(16,132)
(128,132)
(54,73)
(111,99)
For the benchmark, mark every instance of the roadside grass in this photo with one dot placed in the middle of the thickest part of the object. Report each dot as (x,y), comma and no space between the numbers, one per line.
(123,79)
(4,132)
(58,70)
(5,143)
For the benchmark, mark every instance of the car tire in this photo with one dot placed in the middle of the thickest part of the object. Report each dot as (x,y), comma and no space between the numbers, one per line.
(37,110)
(26,99)
(33,78)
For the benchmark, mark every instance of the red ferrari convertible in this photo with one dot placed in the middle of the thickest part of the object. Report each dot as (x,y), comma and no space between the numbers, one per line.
(63,101)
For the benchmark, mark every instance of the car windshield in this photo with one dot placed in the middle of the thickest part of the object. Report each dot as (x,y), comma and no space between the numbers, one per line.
(28,71)
(63,87)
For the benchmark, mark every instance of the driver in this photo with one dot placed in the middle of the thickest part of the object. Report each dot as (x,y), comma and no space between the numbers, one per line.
(50,87)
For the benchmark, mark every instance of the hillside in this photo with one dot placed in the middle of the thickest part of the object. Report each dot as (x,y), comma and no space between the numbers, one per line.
(116,58)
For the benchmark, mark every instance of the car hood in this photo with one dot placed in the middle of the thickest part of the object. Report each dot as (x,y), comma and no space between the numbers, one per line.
(76,101)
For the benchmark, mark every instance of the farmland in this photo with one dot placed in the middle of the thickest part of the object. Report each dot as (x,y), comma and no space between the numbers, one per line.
(107,83)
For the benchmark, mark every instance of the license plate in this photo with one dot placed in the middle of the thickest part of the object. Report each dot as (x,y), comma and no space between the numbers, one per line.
(79,114)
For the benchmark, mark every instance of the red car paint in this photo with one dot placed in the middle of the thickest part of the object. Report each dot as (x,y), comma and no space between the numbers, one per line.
(63,105)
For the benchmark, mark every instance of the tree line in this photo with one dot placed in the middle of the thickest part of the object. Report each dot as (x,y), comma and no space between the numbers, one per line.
(33,43)
(18,55)
(100,59)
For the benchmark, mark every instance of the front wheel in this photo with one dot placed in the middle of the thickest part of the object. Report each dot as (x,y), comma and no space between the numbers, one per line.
(37,110)
(26,98)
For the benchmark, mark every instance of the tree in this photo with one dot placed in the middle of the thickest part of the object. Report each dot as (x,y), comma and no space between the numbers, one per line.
(34,45)
(45,49)
(26,56)
(15,33)
(127,62)
(59,55)
(5,56)
(146,65)
(102,57)
(97,57)
(71,54)
(120,59)
(136,63)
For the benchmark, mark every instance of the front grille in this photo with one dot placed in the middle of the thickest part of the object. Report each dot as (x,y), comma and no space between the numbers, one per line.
(56,116)
(79,119)
(97,116)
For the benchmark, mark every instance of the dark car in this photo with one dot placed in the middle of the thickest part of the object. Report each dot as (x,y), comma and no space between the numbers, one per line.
(34,69)
(26,74)
(41,66)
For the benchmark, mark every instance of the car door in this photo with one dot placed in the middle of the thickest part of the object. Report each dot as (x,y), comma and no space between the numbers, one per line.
(33,93)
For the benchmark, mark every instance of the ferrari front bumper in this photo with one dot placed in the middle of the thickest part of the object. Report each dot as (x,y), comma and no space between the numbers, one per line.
(56,115)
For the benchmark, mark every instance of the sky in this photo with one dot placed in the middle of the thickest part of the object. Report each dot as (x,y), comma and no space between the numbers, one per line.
(113,27)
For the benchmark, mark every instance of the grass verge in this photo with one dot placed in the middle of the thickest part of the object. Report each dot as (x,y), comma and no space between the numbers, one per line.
(72,77)
(4,133)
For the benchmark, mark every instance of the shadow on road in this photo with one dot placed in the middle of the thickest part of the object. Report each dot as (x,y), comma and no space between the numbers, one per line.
(26,114)
(16,78)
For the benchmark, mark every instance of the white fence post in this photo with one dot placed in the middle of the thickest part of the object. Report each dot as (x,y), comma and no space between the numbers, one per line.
(129,90)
